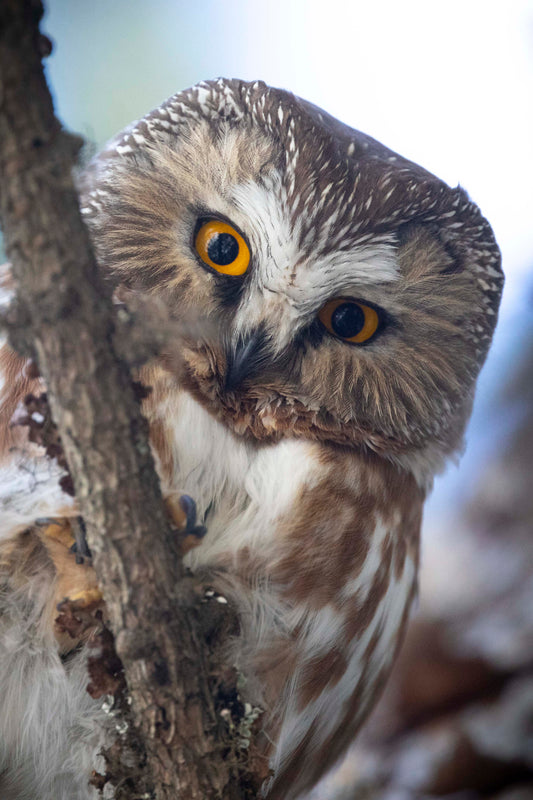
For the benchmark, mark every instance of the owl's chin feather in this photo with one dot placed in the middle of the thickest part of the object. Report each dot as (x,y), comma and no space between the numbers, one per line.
(261,414)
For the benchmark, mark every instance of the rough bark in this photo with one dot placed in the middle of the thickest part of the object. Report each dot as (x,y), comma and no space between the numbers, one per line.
(64,318)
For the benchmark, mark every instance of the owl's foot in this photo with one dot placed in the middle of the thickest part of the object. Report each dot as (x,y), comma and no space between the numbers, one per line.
(182,510)
(75,579)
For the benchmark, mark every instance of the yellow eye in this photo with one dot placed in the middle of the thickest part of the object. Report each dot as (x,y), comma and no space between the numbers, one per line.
(222,248)
(349,320)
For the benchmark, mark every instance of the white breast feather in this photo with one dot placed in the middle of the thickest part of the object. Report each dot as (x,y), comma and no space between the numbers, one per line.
(244,488)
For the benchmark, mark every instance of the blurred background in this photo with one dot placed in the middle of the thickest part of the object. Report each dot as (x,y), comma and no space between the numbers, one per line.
(450,86)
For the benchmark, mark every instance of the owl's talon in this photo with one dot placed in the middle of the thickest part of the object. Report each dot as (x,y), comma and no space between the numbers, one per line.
(192,534)
(183,513)
(188,506)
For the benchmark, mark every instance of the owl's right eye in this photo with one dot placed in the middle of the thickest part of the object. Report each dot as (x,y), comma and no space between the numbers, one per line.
(222,248)
(350,320)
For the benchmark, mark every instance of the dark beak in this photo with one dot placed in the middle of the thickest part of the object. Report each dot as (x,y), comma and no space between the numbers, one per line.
(245,358)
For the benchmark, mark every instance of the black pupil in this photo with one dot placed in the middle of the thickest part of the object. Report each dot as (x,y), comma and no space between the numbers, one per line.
(223,249)
(347,320)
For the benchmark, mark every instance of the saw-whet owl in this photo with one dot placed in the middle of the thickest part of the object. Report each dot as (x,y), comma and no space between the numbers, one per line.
(345,301)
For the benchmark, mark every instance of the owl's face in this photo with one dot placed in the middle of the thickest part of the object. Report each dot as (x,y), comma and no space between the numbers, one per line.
(341,292)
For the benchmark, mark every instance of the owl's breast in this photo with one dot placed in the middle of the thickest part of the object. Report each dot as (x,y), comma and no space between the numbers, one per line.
(315,545)
(241,488)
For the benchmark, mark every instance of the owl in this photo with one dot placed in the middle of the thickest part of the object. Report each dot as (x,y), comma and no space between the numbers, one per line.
(343,301)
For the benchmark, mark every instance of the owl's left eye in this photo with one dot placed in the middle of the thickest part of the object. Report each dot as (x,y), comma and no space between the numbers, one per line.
(349,320)
(222,248)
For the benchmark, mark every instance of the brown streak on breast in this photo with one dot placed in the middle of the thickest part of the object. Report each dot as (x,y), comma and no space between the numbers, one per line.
(360,618)
(326,538)
(371,682)
(355,711)
(304,769)
(326,541)
(321,673)
(294,769)
(320,558)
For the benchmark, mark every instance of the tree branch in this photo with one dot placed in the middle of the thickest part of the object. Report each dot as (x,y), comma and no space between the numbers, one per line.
(64,317)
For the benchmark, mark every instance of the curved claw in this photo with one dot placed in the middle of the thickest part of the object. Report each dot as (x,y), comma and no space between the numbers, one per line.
(188,506)
(183,512)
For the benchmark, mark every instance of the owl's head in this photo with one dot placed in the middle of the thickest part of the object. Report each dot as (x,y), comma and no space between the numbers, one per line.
(343,293)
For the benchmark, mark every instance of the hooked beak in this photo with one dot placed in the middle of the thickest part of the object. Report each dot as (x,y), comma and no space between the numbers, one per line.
(245,358)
